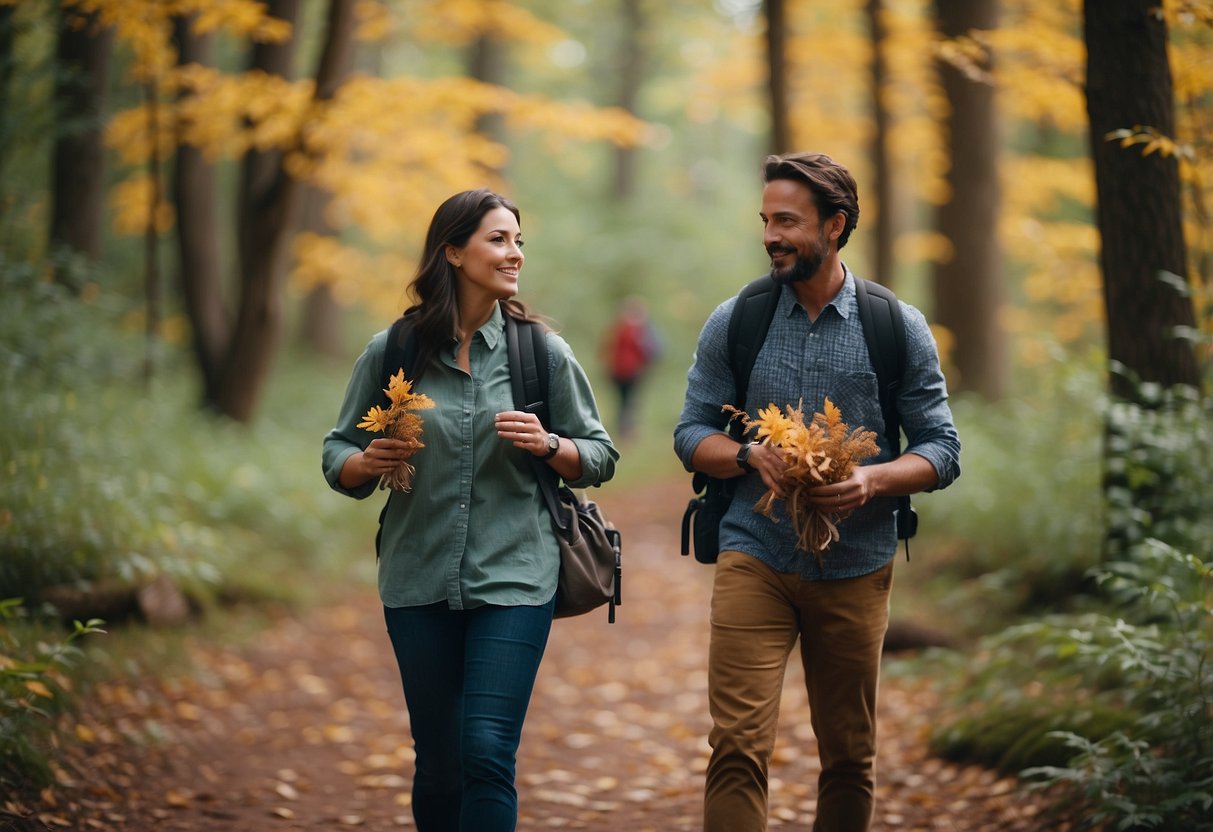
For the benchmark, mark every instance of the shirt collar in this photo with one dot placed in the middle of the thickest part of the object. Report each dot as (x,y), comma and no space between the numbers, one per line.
(843,302)
(492,331)
(494,328)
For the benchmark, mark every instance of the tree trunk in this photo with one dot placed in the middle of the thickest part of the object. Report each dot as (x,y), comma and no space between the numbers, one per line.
(151,238)
(321,324)
(486,63)
(777,75)
(631,73)
(78,177)
(1139,214)
(1141,236)
(8,37)
(882,169)
(267,212)
(968,287)
(200,266)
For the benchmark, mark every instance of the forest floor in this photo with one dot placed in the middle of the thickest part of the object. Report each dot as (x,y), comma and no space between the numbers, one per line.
(304,727)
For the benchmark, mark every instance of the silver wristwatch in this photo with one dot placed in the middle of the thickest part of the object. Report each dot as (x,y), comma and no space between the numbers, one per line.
(553,446)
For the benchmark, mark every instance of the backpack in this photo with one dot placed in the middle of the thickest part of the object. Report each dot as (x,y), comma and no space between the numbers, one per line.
(884,331)
(591,562)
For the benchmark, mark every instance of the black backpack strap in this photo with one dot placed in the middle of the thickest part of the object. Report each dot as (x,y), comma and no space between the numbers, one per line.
(527,352)
(885,331)
(748,327)
(400,353)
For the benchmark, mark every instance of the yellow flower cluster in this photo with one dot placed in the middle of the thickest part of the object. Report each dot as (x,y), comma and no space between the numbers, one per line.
(820,452)
(399,422)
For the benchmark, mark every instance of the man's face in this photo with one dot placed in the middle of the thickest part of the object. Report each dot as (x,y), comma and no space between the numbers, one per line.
(794,236)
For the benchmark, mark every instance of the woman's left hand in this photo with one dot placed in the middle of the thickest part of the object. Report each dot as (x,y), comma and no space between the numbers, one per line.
(523,430)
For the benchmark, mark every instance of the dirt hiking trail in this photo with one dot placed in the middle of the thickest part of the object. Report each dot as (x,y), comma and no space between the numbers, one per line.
(306,729)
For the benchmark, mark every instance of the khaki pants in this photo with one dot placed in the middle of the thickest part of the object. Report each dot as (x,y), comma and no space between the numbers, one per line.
(757,615)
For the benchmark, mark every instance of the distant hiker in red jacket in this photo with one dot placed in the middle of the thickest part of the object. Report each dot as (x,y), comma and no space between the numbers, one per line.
(629,349)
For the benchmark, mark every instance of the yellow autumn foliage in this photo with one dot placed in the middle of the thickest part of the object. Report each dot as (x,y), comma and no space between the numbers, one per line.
(145,26)
(461,21)
(821,451)
(130,202)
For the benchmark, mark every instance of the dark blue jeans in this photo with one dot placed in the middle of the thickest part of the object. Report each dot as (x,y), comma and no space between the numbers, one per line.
(468,676)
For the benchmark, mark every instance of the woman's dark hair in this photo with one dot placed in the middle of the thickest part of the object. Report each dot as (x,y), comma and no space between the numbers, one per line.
(831,184)
(436,312)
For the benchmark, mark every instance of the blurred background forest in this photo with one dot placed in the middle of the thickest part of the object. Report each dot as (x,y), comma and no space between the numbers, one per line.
(207,207)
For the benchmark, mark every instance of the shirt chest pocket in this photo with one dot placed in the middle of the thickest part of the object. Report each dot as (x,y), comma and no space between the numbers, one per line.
(855,387)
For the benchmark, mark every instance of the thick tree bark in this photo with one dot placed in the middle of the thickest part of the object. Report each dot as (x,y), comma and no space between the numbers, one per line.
(78,177)
(968,287)
(777,75)
(1141,234)
(7,65)
(486,63)
(1139,213)
(152,290)
(631,74)
(321,324)
(265,212)
(882,169)
(200,264)
(269,203)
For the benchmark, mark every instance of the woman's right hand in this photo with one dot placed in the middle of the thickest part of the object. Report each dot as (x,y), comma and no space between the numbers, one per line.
(383,456)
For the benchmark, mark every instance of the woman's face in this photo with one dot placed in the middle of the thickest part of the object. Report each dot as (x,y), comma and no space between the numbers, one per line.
(492,257)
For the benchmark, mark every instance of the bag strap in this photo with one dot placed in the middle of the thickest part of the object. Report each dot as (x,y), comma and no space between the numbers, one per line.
(885,331)
(748,326)
(527,353)
(400,352)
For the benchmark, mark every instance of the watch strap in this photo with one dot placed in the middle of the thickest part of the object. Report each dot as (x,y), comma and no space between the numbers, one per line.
(743,458)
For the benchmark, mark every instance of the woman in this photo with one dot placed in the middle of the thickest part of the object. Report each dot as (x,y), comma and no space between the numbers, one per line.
(468,558)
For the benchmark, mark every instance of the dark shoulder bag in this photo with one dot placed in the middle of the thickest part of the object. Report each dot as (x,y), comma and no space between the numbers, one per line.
(591,567)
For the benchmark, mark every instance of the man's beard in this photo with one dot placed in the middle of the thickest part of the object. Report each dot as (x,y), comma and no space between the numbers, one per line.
(803,268)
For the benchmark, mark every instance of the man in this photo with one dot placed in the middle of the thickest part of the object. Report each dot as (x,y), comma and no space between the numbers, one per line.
(766,593)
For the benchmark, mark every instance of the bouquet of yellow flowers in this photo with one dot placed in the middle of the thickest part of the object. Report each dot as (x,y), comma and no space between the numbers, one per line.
(820,452)
(399,422)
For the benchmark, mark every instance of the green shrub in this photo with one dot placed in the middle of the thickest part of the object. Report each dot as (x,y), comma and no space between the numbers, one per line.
(1021,527)
(1113,708)
(1158,460)
(1157,772)
(32,689)
(107,477)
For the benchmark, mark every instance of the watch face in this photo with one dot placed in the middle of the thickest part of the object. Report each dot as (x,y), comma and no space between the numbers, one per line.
(553,442)
(743,457)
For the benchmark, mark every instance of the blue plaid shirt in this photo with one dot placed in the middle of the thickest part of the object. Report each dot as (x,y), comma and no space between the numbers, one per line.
(805,361)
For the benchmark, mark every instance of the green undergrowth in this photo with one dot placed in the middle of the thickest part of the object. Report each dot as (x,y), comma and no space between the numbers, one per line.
(1107,701)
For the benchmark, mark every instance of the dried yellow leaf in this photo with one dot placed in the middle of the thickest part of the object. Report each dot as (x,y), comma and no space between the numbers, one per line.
(822,451)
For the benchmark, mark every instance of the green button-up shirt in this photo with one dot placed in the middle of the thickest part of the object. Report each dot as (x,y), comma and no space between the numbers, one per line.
(474,530)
